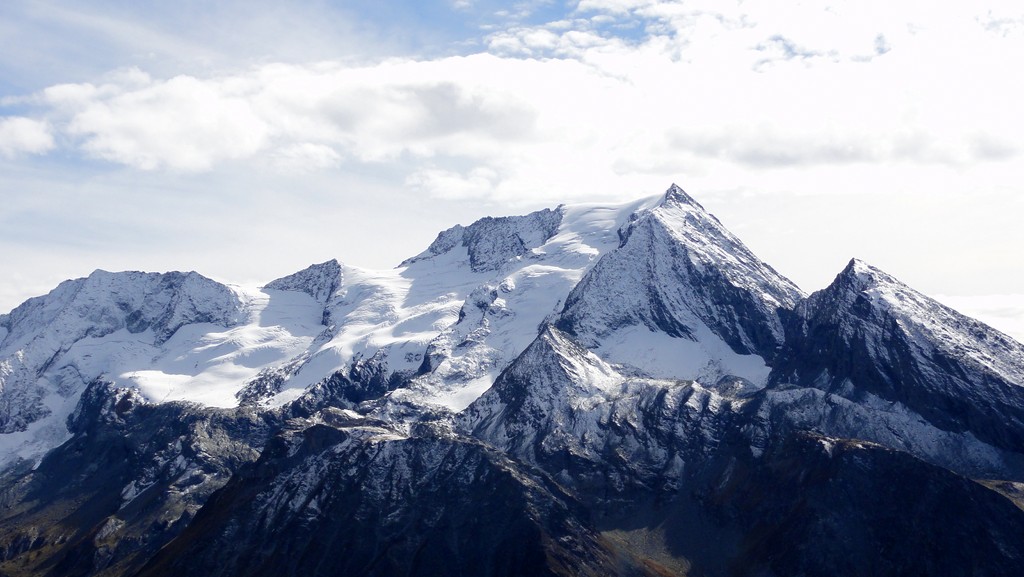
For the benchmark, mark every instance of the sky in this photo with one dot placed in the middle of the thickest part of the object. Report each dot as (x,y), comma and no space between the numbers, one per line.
(248,139)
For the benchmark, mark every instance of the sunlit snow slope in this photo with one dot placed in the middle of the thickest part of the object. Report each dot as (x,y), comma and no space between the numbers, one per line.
(443,325)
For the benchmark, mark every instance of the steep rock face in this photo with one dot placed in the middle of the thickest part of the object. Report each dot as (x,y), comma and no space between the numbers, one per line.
(130,478)
(319,281)
(428,505)
(677,271)
(492,242)
(874,341)
(537,394)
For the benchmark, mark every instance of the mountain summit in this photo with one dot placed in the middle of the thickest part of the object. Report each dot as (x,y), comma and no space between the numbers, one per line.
(678,273)
(583,390)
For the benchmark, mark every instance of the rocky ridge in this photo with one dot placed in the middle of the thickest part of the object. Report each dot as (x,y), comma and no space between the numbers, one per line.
(586,390)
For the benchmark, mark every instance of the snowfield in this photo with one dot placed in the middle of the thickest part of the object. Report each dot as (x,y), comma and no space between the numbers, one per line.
(654,289)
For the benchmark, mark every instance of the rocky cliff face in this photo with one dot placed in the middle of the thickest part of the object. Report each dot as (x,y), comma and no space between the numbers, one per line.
(559,407)
(492,242)
(320,281)
(906,371)
(590,390)
(677,268)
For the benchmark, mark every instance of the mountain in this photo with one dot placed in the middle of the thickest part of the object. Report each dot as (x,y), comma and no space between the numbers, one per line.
(936,383)
(54,345)
(585,390)
(130,478)
(678,273)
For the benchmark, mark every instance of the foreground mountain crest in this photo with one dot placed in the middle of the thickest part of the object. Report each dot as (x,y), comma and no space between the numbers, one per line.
(584,390)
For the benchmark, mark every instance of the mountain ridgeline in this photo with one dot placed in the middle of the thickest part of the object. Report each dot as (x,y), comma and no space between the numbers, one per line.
(601,390)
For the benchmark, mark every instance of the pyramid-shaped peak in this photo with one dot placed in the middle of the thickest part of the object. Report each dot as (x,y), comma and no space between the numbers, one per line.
(543,380)
(864,288)
(553,348)
(551,343)
(554,340)
(675,195)
(859,267)
(677,271)
(870,332)
(861,276)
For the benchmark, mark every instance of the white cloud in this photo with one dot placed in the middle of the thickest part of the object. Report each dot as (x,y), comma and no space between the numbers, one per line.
(613,6)
(710,85)
(455,106)
(24,135)
(870,100)
(478,183)
(183,123)
(305,157)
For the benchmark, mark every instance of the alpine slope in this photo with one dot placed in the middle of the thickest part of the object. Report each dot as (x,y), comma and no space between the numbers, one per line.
(584,390)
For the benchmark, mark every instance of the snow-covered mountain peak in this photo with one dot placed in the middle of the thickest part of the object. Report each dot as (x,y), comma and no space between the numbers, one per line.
(544,383)
(865,298)
(491,242)
(553,366)
(675,195)
(629,376)
(89,328)
(858,275)
(105,302)
(680,297)
(320,281)
(861,287)
(487,318)
(869,334)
